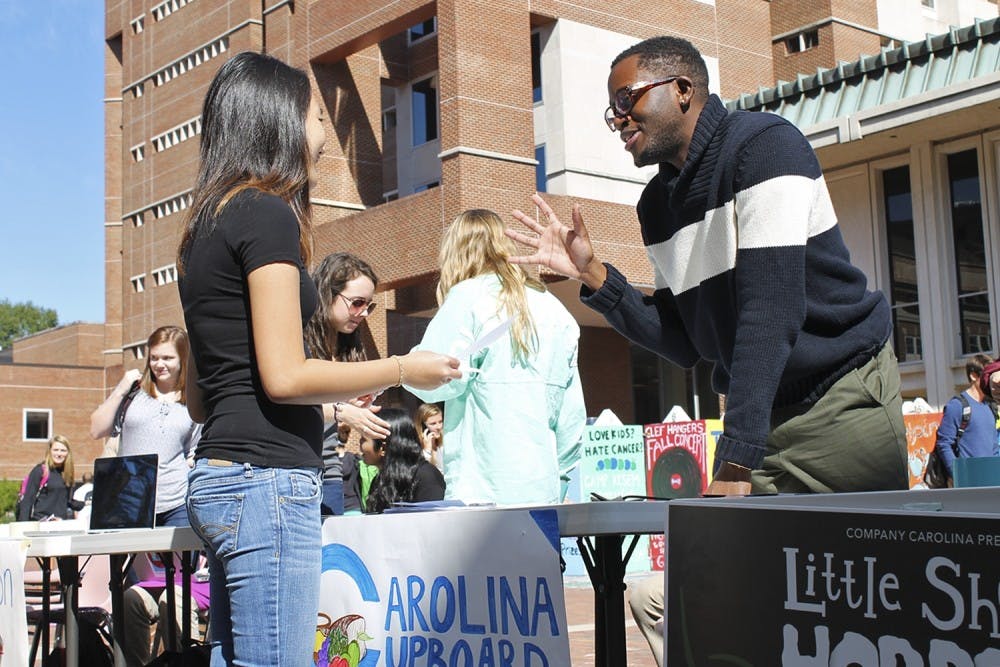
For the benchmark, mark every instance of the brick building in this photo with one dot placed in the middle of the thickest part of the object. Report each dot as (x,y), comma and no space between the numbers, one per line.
(435,107)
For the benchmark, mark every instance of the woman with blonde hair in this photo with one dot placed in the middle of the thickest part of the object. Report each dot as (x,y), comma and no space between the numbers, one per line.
(47,493)
(429,421)
(513,421)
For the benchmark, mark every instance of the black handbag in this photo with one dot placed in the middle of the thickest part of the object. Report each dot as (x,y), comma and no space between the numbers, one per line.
(116,425)
(936,474)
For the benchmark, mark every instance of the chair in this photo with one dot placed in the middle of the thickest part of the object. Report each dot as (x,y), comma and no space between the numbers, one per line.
(93,601)
(35,594)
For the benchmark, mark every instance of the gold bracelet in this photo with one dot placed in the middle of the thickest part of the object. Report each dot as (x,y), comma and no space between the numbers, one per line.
(399,362)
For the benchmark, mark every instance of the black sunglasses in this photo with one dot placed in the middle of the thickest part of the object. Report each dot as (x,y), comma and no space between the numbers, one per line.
(626,97)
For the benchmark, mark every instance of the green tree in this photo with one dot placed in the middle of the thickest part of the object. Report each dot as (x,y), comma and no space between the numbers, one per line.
(21,319)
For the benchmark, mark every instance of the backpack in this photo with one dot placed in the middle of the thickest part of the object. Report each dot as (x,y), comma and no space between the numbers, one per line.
(24,490)
(936,474)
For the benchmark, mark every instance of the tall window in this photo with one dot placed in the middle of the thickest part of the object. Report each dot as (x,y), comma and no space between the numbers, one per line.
(902,263)
(970,252)
(425,121)
(536,67)
(541,179)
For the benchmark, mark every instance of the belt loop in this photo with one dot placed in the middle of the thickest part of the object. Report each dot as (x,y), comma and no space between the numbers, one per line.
(247,470)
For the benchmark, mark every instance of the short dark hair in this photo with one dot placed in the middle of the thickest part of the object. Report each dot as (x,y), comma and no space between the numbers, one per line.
(668,56)
(976,364)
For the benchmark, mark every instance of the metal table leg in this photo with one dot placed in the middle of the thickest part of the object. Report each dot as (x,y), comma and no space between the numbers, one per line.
(602,555)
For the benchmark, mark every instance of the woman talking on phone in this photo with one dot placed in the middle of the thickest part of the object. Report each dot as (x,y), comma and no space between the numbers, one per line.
(254,492)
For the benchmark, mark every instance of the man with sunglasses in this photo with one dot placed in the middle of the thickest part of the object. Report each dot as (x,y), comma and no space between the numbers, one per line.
(752,274)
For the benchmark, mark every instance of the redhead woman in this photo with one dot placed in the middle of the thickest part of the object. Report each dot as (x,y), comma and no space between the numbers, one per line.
(157,420)
(254,492)
(51,499)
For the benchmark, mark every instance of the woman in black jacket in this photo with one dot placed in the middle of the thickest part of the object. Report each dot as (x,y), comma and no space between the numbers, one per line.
(48,492)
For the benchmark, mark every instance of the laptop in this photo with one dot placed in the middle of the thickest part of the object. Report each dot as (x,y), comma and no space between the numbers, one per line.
(124,492)
(124,497)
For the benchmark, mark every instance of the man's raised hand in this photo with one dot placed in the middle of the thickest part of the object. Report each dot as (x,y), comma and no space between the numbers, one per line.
(565,250)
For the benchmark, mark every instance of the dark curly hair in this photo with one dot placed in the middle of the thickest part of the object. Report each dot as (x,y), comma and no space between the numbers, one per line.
(403,454)
(669,56)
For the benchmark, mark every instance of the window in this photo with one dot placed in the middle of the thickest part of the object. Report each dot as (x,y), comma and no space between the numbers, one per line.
(425,186)
(898,206)
(929,4)
(802,41)
(138,220)
(138,152)
(136,91)
(541,177)
(187,63)
(424,100)
(536,67)
(136,24)
(37,424)
(422,30)
(389,120)
(138,283)
(174,136)
(970,252)
(165,275)
(392,195)
(165,9)
(171,206)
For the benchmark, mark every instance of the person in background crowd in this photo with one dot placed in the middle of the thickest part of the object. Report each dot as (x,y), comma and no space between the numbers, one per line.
(346,286)
(513,425)
(51,500)
(157,420)
(980,435)
(430,427)
(404,474)
(247,295)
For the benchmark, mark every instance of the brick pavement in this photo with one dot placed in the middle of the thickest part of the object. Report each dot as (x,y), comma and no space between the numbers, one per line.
(580,618)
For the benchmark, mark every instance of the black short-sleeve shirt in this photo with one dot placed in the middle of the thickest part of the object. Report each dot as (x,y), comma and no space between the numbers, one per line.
(242,425)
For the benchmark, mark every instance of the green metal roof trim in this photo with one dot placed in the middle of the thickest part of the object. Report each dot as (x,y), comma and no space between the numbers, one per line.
(914,69)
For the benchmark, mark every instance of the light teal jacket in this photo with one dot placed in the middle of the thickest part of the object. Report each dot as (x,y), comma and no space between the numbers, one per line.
(511,429)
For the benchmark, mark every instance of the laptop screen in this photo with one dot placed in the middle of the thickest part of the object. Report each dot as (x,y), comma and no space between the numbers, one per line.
(124,492)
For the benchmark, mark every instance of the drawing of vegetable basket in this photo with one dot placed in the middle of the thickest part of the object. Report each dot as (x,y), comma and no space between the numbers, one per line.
(340,643)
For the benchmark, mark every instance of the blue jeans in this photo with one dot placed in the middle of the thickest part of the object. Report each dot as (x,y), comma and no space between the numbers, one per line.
(262,531)
(177,516)
(333,497)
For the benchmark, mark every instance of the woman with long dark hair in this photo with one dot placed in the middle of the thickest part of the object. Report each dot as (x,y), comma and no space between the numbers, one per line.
(346,286)
(404,474)
(254,492)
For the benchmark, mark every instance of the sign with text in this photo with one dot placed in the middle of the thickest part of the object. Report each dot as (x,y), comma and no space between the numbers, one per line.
(458,587)
(612,465)
(13,621)
(921,434)
(762,586)
(679,459)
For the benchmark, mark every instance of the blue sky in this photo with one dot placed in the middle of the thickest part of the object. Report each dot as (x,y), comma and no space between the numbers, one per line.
(52,156)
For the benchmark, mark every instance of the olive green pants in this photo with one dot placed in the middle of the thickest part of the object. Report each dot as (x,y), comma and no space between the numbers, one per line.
(852,439)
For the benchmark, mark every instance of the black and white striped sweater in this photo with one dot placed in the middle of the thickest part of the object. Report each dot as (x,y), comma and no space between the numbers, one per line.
(752,274)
